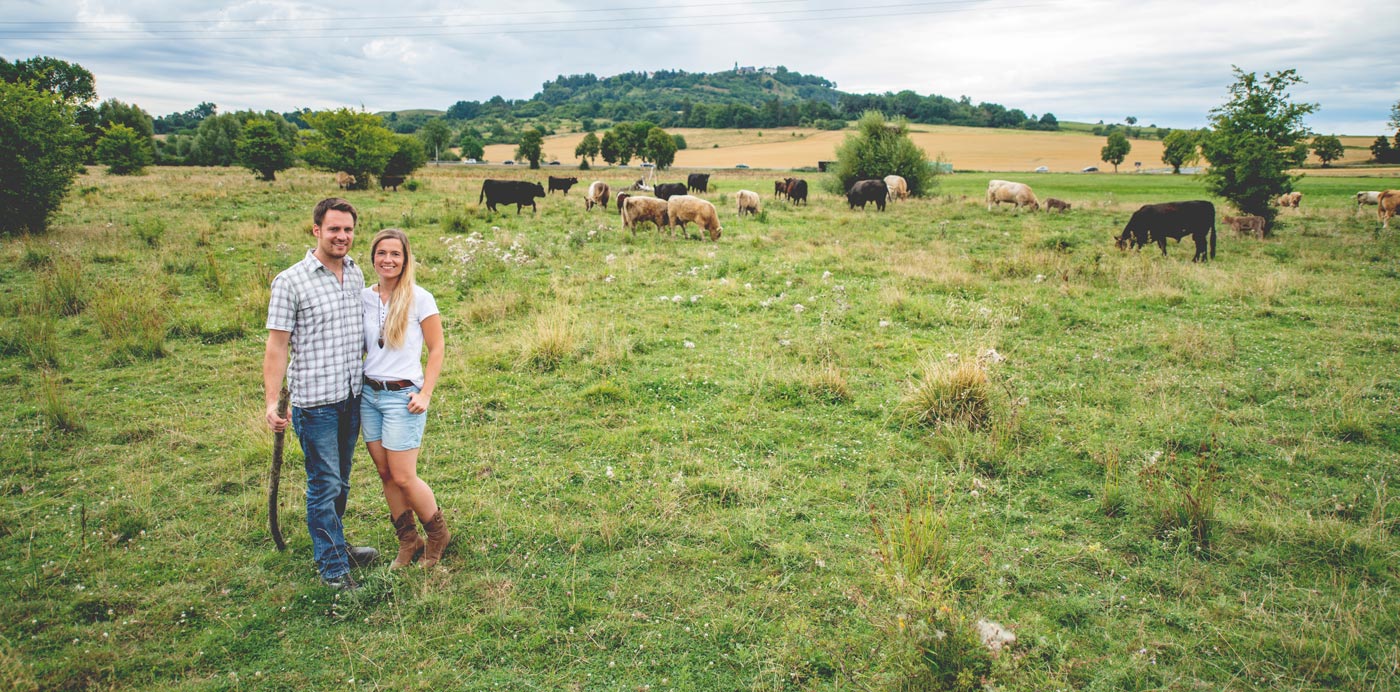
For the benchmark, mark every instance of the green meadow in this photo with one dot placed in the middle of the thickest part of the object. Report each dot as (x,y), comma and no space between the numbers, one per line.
(811,456)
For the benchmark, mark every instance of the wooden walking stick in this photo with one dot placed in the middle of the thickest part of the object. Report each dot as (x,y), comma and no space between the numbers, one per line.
(275,478)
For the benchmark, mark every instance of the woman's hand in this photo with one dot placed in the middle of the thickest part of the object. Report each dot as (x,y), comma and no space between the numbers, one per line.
(418,402)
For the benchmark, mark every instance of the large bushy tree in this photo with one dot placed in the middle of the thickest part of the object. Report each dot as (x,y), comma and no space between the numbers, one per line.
(216,141)
(352,141)
(40,154)
(1327,148)
(408,157)
(587,147)
(531,146)
(263,149)
(607,148)
(71,82)
(435,135)
(1254,139)
(124,151)
(659,148)
(1116,150)
(114,112)
(880,148)
(1179,148)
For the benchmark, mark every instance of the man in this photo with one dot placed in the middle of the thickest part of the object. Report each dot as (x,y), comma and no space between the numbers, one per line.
(315,315)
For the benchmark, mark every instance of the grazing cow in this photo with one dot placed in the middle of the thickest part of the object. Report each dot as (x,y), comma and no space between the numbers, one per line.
(683,209)
(697,182)
(561,184)
(666,190)
(1289,199)
(393,181)
(1387,203)
(1157,222)
(863,191)
(344,180)
(898,187)
(1052,204)
(517,192)
(1371,197)
(597,194)
(797,190)
(1247,225)
(748,201)
(780,187)
(1019,194)
(638,209)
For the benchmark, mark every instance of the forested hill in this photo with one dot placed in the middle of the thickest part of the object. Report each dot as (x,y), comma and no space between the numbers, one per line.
(743,97)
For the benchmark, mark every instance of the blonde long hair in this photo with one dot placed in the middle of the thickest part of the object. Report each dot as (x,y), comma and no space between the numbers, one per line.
(401,300)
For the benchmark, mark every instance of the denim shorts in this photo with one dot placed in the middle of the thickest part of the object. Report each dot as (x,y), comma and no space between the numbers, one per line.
(384,418)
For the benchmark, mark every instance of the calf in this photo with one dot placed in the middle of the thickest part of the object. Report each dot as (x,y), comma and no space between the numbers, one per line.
(863,191)
(1052,204)
(748,201)
(561,184)
(1246,225)
(1289,199)
(1157,222)
(1371,197)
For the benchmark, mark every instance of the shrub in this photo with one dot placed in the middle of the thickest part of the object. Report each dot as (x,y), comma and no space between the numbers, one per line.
(40,155)
(123,151)
(881,148)
(148,231)
(263,150)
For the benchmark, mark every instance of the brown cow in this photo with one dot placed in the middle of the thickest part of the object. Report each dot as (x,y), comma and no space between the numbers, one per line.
(1052,204)
(1247,225)
(344,180)
(597,194)
(1386,205)
(1289,199)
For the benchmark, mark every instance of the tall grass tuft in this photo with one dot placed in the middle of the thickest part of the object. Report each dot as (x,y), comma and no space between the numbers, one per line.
(149,231)
(914,546)
(1183,508)
(57,412)
(1113,499)
(133,319)
(947,392)
(549,344)
(64,290)
(215,278)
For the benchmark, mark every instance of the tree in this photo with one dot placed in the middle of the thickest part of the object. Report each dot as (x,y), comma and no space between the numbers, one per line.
(408,157)
(680,142)
(114,112)
(350,141)
(216,141)
(587,147)
(1116,150)
(881,148)
(262,149)
(435,135)
(660,148)
(1253,141)
(1179,148)
(472,146)
(531,146)
(1394,121)
(1327,148)
(607,148)
(1131,120)
(123,150)
(40,154)
(1382,152)
(69,81)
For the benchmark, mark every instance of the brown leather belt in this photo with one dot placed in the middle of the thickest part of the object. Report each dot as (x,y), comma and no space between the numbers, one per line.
(391,385)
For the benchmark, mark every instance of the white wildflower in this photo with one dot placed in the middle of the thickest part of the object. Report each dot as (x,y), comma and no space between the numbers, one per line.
(798,308)
(610,258)
(884,323)
(608,472)
(676,298)
(991,356)
(748,286)
(694,299)
(1039,278)
(609,279)
(952,357)
(690,344)
(784,342)
(826,275)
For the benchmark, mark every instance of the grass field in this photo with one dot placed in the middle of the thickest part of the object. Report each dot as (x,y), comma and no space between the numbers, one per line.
(809,456)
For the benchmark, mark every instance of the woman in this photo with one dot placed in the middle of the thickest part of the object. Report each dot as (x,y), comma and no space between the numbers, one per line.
(400,319)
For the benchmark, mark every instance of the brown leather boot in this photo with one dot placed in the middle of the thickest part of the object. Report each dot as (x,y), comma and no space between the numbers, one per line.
(410,543)
(438,536)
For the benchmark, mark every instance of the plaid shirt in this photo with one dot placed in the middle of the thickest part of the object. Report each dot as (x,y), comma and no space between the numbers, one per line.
(327,330)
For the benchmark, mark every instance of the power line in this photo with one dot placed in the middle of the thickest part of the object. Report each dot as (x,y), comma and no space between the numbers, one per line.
(942,7)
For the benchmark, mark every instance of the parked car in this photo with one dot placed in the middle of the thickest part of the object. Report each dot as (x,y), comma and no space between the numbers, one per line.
(648,165)
(1090,169)
(1042,169)
(741,165)
(554,163)
(470,161)
(508,162)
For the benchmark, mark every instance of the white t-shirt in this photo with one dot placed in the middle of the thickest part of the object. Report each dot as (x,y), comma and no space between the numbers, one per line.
(404,363)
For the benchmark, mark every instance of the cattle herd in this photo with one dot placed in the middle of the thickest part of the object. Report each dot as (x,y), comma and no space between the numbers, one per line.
(672,205)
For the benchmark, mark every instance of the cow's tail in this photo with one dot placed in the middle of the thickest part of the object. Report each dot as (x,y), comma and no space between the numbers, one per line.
(482,195)
(1212,237)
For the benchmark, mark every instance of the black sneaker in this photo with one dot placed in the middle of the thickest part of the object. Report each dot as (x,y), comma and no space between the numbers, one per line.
(362,556)
(341,583)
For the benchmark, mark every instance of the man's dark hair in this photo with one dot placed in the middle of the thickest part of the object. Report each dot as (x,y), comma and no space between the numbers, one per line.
(337,204)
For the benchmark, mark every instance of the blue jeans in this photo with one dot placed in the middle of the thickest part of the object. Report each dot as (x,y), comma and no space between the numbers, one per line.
(328,435)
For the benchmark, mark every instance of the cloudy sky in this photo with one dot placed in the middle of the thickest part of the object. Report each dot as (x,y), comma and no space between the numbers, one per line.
(1166,62)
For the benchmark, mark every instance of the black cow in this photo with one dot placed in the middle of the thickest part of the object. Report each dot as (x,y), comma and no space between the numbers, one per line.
(697,182)
(1157,222)
(393,181)
(863,191)
(517,192)
(666,190)
(797,190)
(561,184)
